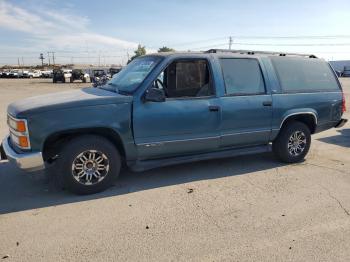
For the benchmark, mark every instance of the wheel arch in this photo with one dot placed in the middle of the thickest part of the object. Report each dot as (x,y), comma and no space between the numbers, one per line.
(309,118)
(54,142)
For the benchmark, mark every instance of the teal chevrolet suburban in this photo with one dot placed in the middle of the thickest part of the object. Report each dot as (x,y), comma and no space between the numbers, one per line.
(170,108)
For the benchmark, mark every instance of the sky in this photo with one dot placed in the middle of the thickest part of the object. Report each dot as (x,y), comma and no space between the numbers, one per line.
(107,32)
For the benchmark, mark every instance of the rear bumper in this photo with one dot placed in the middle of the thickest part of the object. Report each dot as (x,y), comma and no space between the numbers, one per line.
(341,123)
(31,161)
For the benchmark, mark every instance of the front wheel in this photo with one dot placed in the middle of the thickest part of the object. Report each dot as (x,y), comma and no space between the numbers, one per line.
(88,164)
(293,142)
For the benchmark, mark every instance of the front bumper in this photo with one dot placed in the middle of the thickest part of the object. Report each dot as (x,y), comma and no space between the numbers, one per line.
(26,161)
(341,123)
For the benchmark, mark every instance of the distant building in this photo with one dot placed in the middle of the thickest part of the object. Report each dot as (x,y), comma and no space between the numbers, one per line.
(339,65)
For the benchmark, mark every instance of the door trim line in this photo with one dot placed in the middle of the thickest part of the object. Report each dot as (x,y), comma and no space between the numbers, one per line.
(159,143)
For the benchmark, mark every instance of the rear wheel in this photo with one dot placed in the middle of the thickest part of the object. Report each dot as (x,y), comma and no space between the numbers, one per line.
(88,164)
(293,142)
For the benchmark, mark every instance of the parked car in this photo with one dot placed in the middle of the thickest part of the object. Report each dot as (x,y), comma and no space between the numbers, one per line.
(79,74)
(61,75)
(5,74)
(113,71)
(170,108)
(99,77)
(346,72)
(34,74)
(14,74)
(47,74)
(25,74)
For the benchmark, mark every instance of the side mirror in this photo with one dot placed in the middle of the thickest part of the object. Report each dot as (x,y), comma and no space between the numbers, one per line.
(155,95)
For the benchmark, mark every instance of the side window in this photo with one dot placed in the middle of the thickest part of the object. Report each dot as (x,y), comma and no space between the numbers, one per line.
(186,78)
(304,74)
(242,76)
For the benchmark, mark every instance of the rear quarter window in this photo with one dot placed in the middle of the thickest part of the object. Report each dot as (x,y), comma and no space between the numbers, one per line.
(304,74)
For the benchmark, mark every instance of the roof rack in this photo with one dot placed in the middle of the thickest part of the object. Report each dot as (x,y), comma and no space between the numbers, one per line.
(251,52)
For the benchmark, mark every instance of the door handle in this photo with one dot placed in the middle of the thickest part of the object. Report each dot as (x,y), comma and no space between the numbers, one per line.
(267,103)
(214,108)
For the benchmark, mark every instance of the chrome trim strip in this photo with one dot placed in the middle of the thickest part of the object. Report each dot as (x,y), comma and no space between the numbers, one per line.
(308,93)
(175,141)
(299,113)
(30,161)
(243,133)
(158,143)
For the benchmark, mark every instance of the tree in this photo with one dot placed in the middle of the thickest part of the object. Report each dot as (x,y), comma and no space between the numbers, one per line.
(165,49)
(141,50)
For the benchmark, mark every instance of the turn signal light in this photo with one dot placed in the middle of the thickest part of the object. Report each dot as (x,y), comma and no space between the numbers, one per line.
(23,141)
(21,126)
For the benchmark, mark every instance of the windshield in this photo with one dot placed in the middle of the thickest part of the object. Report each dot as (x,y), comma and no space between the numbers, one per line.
(128,79)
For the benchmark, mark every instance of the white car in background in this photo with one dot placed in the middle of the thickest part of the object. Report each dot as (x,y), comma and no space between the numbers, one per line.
(34,74)
(47,73)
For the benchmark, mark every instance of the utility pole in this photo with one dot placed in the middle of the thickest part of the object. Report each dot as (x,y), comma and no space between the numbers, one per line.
(41,57)
(18,62)
(53,58)
(48,54)
(230,41)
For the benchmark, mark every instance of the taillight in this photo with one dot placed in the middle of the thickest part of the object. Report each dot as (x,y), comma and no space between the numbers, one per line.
(343,107)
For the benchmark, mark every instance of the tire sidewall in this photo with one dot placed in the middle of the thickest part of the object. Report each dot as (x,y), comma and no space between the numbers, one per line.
(281,144)
(79,145)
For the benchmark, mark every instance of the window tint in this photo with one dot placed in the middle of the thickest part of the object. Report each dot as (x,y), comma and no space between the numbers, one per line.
(186,79)
(242,76)
(304,74)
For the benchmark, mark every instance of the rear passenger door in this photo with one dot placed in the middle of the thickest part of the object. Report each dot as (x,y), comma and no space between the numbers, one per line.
(246,105)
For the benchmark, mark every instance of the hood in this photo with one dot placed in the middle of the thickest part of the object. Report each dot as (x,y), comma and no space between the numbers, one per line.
(63,100)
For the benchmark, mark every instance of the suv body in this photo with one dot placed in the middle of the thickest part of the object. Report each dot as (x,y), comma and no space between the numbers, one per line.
(171,108)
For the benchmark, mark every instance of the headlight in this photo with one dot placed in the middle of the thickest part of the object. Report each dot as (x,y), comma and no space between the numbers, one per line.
(19,132)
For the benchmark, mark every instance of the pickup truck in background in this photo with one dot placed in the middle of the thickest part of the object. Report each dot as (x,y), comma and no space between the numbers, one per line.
(170,108)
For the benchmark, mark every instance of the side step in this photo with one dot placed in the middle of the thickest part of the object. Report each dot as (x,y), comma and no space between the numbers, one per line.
(142,165)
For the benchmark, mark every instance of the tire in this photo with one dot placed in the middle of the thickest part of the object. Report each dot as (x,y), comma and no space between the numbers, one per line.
(69,164)
(71,80)
(285,147)
(54,81)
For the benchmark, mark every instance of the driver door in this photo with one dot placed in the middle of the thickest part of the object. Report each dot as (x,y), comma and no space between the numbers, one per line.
(187,122)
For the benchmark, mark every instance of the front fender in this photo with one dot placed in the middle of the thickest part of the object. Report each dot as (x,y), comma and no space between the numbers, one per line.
(116,117)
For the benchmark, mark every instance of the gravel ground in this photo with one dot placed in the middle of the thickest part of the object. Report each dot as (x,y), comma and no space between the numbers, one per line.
(248,208)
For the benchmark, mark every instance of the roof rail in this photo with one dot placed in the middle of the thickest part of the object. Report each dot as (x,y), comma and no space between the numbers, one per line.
(251,52)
